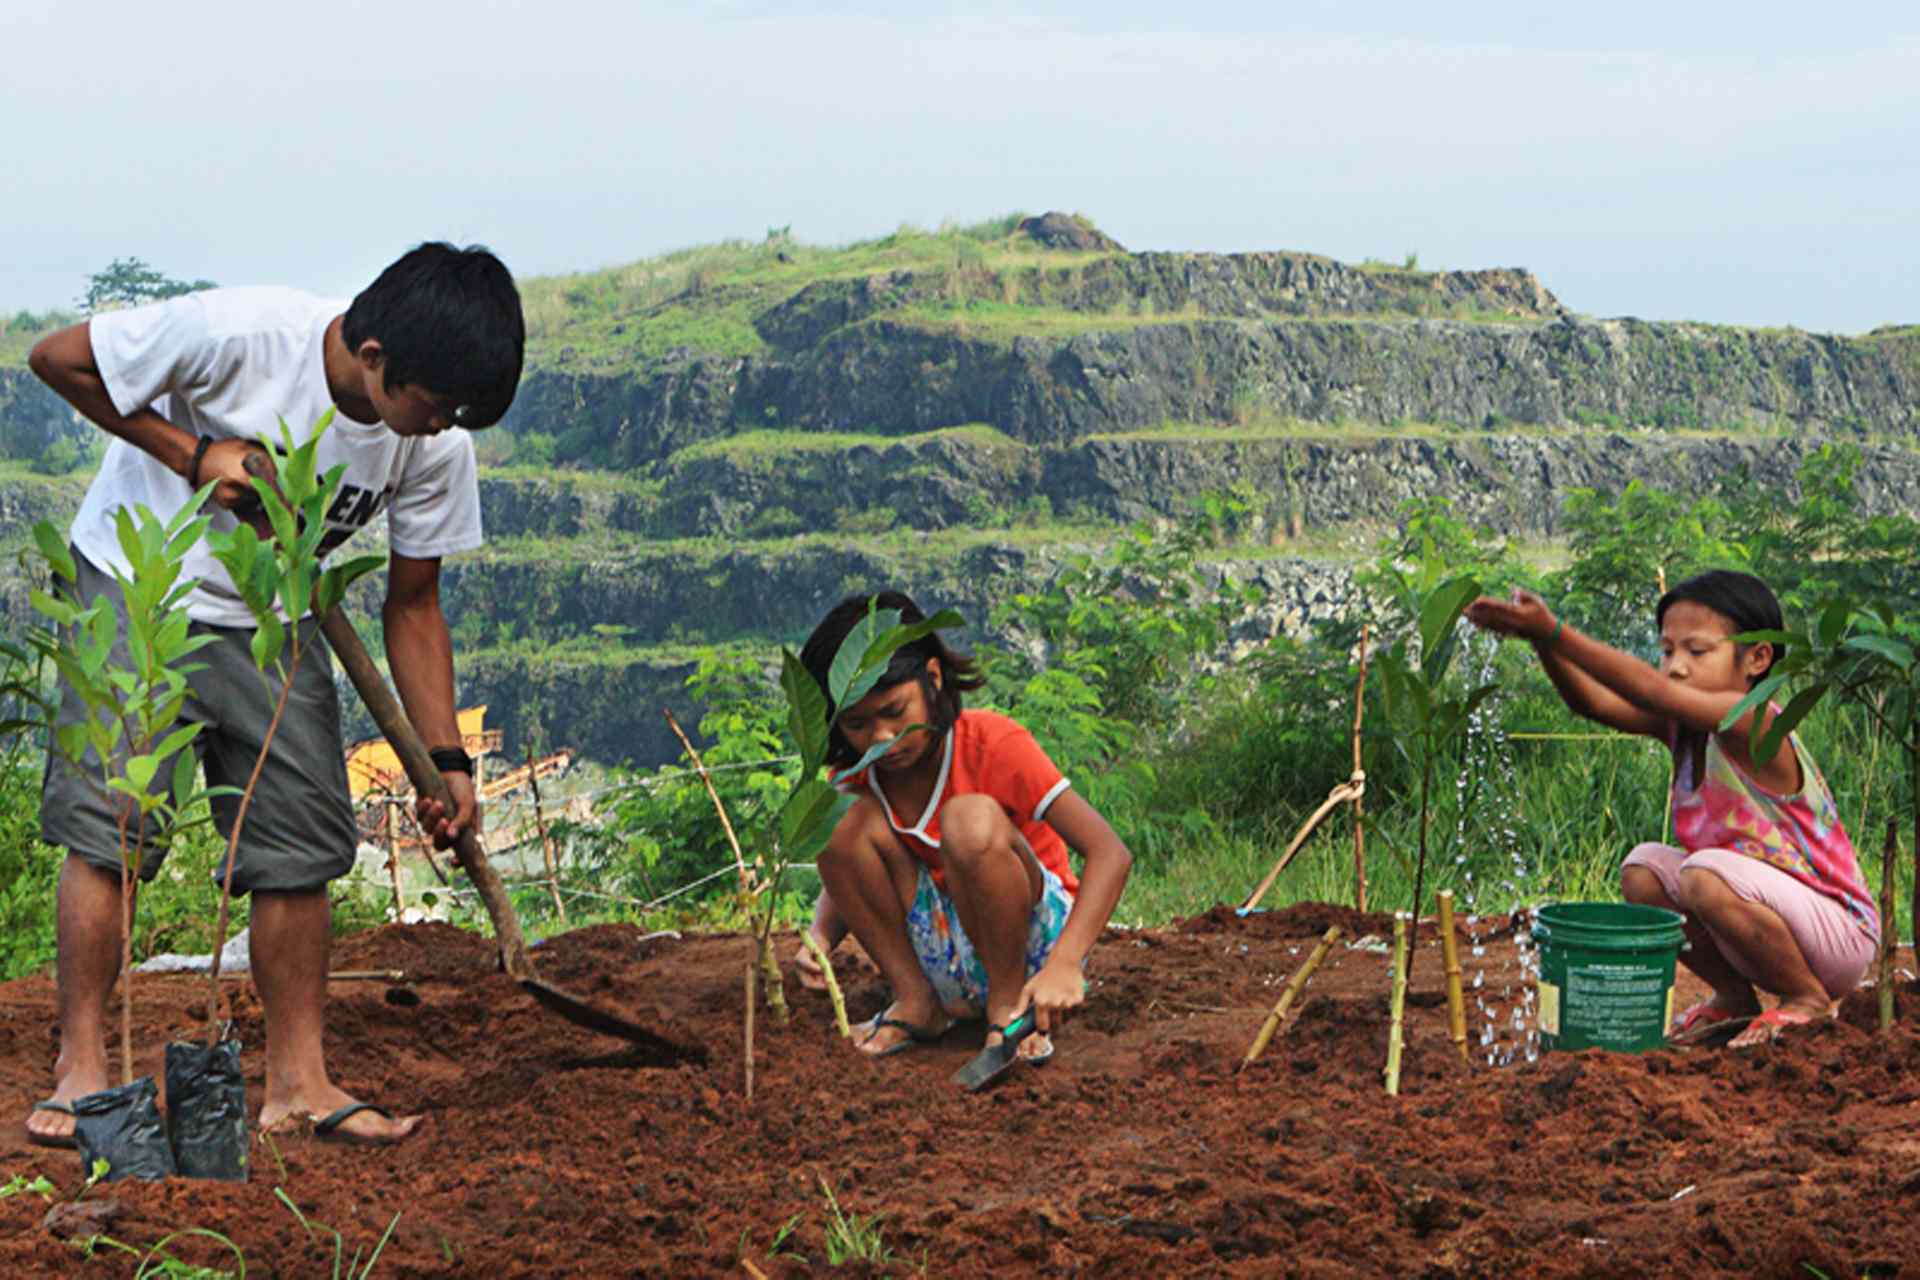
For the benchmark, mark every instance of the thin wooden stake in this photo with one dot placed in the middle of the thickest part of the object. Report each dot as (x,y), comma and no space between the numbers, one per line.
(1889,925)
(546,841)
(1295,985)
(1360,776)
(1338,796)
(750,976)
(1396,1038)
(812,944)
(1450,953)
(747,878)
(393,859)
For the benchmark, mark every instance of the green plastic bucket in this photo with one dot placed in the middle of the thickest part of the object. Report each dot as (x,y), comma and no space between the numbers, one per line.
(1606,974)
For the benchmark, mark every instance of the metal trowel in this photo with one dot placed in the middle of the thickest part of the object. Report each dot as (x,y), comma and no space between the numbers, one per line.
(992,1062)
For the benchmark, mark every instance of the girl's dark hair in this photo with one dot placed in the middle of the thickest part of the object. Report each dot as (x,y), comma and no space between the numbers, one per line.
(449,321)
(959,673)
(1740,598)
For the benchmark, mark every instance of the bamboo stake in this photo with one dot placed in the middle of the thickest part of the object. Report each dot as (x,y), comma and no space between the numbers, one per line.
(1346,791)
(747,878)
(1889,925)
(1450,952)
(1396,1038)
(1360,775)
(393,859)
(1295,985)
(770,969)
(812,944)
(546,841)
(750,974)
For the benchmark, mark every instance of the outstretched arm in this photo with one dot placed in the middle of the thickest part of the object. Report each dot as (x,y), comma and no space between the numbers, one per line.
(1523,616)
(1621,680)
(1059,985)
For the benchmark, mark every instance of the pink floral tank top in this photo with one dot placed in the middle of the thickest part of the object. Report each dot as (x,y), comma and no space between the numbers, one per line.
(1800,834)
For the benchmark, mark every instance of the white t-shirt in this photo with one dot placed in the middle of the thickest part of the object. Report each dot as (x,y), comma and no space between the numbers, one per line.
(232,363)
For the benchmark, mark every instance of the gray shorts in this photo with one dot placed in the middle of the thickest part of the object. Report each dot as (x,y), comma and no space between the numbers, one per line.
(300,831)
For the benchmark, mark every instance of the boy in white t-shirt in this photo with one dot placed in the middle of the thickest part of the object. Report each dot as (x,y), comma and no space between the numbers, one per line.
(188,386)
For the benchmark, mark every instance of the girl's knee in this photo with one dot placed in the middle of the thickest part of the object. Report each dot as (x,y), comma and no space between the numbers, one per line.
(1640,885)
(971,826)
(1700,889)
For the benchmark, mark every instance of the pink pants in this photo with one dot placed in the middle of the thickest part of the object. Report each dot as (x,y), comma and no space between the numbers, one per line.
(1836,949)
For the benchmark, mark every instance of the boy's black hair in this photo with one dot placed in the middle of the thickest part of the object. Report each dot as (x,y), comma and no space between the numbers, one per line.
(959,673)
(1742,599)
(449,321)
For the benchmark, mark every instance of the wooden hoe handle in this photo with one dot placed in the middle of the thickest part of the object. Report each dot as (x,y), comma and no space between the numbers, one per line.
(392,720)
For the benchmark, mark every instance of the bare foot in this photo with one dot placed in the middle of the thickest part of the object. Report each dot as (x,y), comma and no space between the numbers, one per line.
(52,1126)
(1035,1046)
(367,1126)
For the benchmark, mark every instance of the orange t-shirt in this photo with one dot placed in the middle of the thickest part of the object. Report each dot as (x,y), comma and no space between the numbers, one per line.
(985,753)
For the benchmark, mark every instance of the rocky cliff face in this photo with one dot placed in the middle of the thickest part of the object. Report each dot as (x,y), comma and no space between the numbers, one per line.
(895,378)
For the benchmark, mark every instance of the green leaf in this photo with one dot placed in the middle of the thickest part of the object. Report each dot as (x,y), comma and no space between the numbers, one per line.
(53,545)
(806,712)
(177,739)
(852,655)
(140,770)
(269,638)
(1438,614)
(1833,622)
(1768,743)
(1755,696)
(874,752)
(1898,652)
(805,808)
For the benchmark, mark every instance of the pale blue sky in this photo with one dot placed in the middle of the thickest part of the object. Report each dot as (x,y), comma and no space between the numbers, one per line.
(1751,163)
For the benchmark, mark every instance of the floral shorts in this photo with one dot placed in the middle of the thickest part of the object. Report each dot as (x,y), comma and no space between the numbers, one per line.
(946,954)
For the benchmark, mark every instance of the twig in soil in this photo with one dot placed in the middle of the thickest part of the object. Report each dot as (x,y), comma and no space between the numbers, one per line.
(1450,954)
(750,976)
(1295,986)
(1889,926)
(1398,1005)
(746,1264)
(1359,801)
(546,839)
(1351,789)
(747,878)
(812,944)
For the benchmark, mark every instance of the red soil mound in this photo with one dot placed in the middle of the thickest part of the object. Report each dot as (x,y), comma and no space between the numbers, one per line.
(1137,1151)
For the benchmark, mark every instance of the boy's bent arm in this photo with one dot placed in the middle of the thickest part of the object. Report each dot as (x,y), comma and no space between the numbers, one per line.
(420,656)
(64,360)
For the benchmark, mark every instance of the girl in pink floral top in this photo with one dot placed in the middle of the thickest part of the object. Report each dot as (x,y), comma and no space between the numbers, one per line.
(1765,873)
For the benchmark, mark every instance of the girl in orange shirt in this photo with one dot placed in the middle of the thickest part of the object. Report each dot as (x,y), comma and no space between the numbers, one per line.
(951,867)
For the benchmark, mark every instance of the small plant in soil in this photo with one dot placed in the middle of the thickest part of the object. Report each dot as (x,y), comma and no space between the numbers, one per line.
(1866,653)
(130,745)
(1427,712)
(852,1237)
(814,803)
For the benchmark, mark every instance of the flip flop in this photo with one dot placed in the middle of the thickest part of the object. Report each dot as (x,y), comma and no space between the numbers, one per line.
(1698,1026)
(1039,1057)
(328,1128)
(1774,1022)
(916,1035)
(65,1142)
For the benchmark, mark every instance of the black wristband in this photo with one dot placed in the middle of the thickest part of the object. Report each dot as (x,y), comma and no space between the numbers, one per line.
(451,760)
(193,468)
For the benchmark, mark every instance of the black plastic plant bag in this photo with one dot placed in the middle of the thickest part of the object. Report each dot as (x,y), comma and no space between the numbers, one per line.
(123,1127)
(207,1110)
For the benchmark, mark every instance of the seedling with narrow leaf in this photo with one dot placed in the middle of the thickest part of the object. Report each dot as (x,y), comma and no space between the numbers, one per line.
(1429,712)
